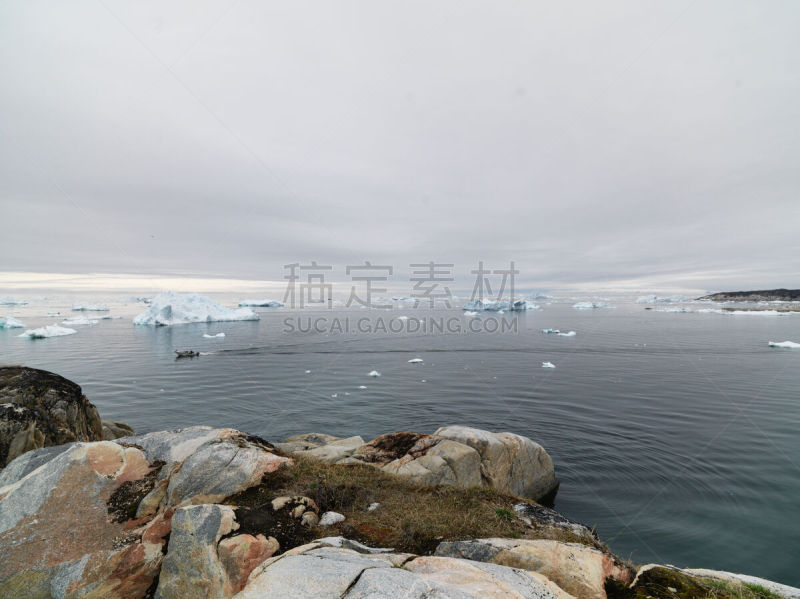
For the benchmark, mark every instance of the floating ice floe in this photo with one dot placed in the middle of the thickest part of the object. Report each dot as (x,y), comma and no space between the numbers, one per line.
(308,372)
(374,373)
(470,313)
(7,322)
(362,386)
(79,321)
(745,312)
(680,310)
(548,365)
(261,303)
(89,308)
(415,361)
(589,305)
(499,306)
(10,301)
(172,308)
(402,318)
(567,334)
(785,344)
(217,336)
(558,332)
(52,330)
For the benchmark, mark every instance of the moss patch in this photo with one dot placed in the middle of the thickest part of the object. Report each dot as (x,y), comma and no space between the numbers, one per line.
(667,583)
(125,500)
(410,518)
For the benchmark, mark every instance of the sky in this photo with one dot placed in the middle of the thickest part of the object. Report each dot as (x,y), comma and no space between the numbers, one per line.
(615,145)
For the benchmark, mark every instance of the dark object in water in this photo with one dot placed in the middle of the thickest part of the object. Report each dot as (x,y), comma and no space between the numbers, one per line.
(186,353)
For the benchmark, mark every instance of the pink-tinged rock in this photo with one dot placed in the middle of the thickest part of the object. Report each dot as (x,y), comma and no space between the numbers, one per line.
(219,469)
(579,570)
(241,554)
(59,530)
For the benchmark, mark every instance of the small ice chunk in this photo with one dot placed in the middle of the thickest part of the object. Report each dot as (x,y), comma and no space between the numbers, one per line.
(217,336)
(402,318)
(7,322)
(550,331)
(89,308)
(567,334)
(261,303)
(330,518)
(374,373)
(548,365)
(470,313)
(52,330)
(172,308)
(415,361)
(373,506)
(362,386)
(785,344)
(79,321)
(54,313)
(308,372)
(334,395)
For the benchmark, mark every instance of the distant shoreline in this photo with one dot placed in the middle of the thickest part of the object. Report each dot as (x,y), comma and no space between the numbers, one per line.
(766,295)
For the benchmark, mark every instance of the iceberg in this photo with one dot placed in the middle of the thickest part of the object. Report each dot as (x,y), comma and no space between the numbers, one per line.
(52,330)
(567,334)
(79,320)
(170,308)
(499,306)
(470,313)
(785,344)
(7,322)
(217,336)
(10,301)
(261,303)
(415,361)
(589,305)
(550,331)
(548,365)
(89,308)
(655,299)
(374,373)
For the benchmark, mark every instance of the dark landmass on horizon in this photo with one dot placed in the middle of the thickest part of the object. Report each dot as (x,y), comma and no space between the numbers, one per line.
(766,295)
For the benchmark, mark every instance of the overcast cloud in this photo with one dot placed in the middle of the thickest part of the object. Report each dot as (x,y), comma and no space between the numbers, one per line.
(656,143)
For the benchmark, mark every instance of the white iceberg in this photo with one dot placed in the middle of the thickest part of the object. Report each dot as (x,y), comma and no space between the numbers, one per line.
(79,321)
(362,386)
(567,334)
(550,331)
(374,373)
(589,305)
(499,306)
(217,336)
(785,344)
(172,308)
(7,322)
(89,308)
(261,303)
(52,330)
(470,313)
(655,299)
(415,361)
(548,365)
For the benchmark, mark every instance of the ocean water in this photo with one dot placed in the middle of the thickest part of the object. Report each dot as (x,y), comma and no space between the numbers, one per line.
(677,435)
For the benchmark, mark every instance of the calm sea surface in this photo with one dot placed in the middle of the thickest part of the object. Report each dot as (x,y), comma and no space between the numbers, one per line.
(677,435)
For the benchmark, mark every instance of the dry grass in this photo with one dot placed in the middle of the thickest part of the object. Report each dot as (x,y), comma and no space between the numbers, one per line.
(410,518)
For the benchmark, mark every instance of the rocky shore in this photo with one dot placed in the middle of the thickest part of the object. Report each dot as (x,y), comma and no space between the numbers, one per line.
(764,295)
(210,512)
